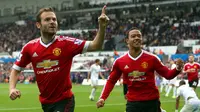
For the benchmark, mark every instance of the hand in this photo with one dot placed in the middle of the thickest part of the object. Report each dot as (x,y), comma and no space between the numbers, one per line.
(179,64)
(100,103)
(103,19)
(14,93)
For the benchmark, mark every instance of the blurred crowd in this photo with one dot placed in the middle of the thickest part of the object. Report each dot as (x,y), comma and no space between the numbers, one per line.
(161,26)
(13,36)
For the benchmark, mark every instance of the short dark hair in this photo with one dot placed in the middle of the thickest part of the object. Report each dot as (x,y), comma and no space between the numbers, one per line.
(97,60)
(182,82)
(133,28)
(38,16)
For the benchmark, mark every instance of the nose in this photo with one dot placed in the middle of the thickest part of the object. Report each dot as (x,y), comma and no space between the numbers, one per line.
(137,37)
(52,21)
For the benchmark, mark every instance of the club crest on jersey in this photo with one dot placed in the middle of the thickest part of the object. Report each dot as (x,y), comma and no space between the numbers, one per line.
(47,64)
(195,66)
(57,51)
(136,74)
(144,65)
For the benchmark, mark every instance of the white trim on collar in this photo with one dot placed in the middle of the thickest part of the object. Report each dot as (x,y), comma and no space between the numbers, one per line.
(47,45)
(136,57)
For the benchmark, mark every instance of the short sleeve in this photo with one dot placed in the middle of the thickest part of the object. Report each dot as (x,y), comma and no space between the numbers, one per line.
(23,60)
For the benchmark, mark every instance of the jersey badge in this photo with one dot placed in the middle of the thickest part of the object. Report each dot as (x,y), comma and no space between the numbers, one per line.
(57,51)
(144,65)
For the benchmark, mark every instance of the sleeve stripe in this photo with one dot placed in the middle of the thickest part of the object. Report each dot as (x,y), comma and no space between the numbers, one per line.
(17,67)
(87,43)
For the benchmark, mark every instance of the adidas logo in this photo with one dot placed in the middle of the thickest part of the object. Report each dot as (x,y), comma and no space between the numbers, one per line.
(35,54)
(126,67)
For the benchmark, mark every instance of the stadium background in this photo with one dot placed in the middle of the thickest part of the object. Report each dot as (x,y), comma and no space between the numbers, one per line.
(171,29)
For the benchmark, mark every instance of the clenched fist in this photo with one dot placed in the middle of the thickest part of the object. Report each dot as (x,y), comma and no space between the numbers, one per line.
(14,93)
(179,64)
(100,103)
(103,19)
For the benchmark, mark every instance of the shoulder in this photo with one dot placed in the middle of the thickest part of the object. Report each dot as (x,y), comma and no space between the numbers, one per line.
(92,65)
(31,43)
(122,57)
(69,40)
(150,55)
(66,38)
(196,63)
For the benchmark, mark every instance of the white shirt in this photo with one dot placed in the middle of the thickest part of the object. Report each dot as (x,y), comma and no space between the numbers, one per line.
(94,70)
(172,67)
(186,92)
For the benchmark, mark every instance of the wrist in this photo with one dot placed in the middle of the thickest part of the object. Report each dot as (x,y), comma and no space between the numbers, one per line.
(101,99)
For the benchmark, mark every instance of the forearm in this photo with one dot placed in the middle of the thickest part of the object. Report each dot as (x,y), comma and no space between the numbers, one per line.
(13,79)
(169,74)
(99,39)
(107,89)
(113,78)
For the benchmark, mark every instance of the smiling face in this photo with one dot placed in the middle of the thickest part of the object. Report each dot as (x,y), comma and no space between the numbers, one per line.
(134,39)
(48,23)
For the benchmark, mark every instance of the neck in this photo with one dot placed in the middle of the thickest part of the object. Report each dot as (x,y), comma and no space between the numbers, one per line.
(135,52)
(47,38)
(191,62)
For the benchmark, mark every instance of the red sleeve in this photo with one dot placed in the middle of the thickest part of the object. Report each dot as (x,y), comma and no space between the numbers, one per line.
(77,46)
(74,46)
(113,78)
(24,58)
(163,70)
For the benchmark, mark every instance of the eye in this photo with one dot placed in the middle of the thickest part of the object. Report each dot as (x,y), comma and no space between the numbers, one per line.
(47,19)
(54,19)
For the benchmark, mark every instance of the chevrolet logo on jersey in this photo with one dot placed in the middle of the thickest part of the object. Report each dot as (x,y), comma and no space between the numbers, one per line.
(136,74)
(47,64)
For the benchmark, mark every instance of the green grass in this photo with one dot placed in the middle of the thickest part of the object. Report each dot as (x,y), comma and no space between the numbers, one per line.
(29,101)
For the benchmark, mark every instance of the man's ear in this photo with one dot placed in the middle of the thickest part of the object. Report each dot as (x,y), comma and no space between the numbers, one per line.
(38,25)
(126,40)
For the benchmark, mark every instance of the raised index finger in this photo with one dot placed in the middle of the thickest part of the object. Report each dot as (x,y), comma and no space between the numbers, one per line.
(103,10)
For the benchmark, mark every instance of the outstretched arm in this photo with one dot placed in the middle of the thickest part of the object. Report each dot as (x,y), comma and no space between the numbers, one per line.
(165,72)
(99,39)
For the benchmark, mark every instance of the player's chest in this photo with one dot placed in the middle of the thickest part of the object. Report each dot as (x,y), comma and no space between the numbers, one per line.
(192,67)
(53,52)
(136,67)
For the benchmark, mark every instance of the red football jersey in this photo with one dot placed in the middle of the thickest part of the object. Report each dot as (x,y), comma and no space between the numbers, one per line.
(139,76)
(194,70)
(52,64)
